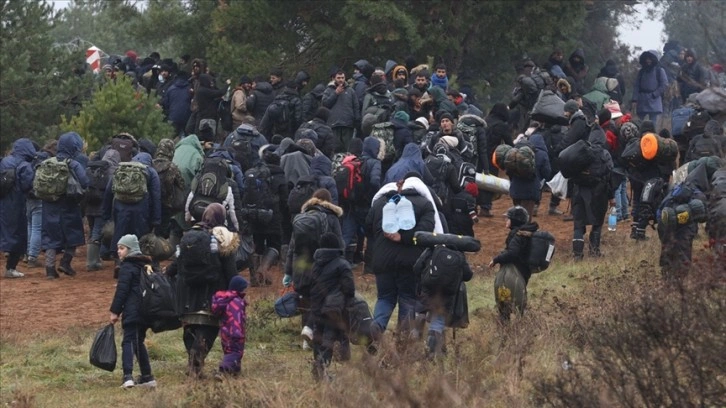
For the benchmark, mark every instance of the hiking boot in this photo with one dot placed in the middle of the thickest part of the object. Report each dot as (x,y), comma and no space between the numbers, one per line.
(50,273)
(13,273)
(578,245)
(554,211)
(147,381)
(594,249)
(65,265)
(33,262)
(128,382)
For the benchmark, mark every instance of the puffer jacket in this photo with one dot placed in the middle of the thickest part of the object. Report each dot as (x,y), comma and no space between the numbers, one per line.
(322,167)
(517,246)
(127,299)
(231,307)
(332,274)
(344,108)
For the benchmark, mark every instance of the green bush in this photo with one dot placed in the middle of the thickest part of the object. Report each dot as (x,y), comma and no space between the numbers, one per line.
(117,107)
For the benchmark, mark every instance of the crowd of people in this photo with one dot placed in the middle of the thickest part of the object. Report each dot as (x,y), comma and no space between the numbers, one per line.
(265,172)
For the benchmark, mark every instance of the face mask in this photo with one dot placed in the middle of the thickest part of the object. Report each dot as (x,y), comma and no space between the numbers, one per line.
(161,78)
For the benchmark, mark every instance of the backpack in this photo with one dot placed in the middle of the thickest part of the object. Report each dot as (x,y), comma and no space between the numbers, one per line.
(129,182)
(541,251)
(211,185)
(384,132)
(470,138)
(438,166)
(257,186)
(51,179)
(241,146)
(466,173)
(303,190)
(279,111)
(308,227)
(124,146)
(519,162)
(7,181)
(702,146)
(158,301)
(679,118)
(224,111)
(198,265)
(443,271)
(173,191)
(348,178)
(97,171)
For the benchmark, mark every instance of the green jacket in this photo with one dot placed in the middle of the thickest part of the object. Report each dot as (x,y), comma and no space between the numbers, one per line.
(188,157)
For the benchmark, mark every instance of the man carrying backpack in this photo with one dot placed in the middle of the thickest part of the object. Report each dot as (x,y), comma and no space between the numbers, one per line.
(16,174)
(133,198)
(284,115)
(173,190)
(99,173)
(62,219)
(214,184)
(244,144)
(325,142)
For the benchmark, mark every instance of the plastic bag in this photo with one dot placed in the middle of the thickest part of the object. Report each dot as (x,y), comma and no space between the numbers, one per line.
(558,185)
(103,349)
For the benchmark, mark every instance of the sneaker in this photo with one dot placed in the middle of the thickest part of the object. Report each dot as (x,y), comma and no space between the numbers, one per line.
(128,382)
(12,273)
(307,333)
(554,211)
(33,262)
(147,381)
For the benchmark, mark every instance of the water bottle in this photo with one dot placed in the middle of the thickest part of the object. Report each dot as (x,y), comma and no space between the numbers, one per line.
(390,221)
(613,219)
(213,246)
(405,214)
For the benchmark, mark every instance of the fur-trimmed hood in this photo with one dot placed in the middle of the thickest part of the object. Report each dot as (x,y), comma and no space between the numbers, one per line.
(228,241)
(324,204)
(473,120)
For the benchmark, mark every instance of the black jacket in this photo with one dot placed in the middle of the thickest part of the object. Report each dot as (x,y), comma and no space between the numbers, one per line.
(517,247)
(326,142)
(332,275)
(127,299)
(260,99)
(498,132)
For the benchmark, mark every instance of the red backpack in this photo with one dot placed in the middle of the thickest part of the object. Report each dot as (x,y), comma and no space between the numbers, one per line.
(349,179)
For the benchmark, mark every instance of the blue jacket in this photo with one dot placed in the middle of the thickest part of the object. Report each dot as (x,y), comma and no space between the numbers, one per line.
(62,220)
(650,84)
(322,167)
(177,100)
(530,188)
(410,160)
(13,223)
(135,218)
(372,166)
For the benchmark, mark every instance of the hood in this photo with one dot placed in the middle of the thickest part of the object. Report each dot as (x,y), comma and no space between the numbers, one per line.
(380,88)
(301,77)
(411,151)
(537,141)
(191,140)
(165,149)
(597,137)
(652,53)
(472,120)
(371,147)
(325,255)
(205,81)
(690,53)
(437,94)
(323,204)
(181,82)
(528,229)
(24,149)
(600,85)
(318,90)
(113,157)
(223,154)
(389,66)
(228,241)
(264,87)
(143,157)
(577,53)
(321,166)
(224,297)
(69,145)
(713,128)
(398,68)
(610,70)
(284,146)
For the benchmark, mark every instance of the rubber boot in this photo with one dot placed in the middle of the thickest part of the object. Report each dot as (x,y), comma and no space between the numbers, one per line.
(50,273)
(254,266)
(595,244)
(93,261)
(65,265)
(267,261)
(578,245)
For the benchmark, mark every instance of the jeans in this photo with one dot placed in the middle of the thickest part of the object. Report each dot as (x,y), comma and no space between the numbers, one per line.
(97,230)
(621,200)
(352,225)
(395,287)
(133,345)
(34,212)
(437,324)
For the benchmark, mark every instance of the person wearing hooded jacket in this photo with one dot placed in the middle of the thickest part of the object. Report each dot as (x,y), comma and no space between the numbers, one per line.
(207,96)
(498,131)
(96,222)
(402,134)
(693,77)
(135,218)
(325,142)
(601,92)
(376,96)
(188,157)
(361,78)
(321,167)
(62,219)
(526,191)
(261,97)
(610,70)
(311,102)
(176,103)
(650,84)
(576,69)
(711,143)
(13,221)
(410,160)
(269,127)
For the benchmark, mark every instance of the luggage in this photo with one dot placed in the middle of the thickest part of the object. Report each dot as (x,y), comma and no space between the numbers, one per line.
(679,118)
(303,191)
(103,349)
(308,227)
(510,290)
(211,185)
(712,99)
(98,177)
(542,249)
(286,305)
(494,184)
(129,182)
(457,242)
(158,301)
(575,159)
(348,178)
(549,108)
(51,179)
(632,154)
(654,147)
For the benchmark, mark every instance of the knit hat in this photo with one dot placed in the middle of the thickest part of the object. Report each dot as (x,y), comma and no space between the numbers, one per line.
(329,240)
(401,116)
(445,115)
(571,106)
(423,122)
(451,141)
(629,130)
(518,215)
(647,127)
(238,284)
(131,242)
(603,116)
(245,80)
(322,113)
(614,109)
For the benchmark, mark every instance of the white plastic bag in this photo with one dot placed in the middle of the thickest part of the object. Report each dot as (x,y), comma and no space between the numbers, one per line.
(558,185)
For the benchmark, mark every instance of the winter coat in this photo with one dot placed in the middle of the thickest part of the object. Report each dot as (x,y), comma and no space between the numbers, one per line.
(322,167)
(376,95)
(517,247)
(360,84)
(188,157)
(610,70)
(295,165)
(710,143)
(238,107)
(599,93)
(260,99)
(410,160)
(135,218)
(113,158)
(13,221)
(388,257)
(693,77)
(441,102)
(326,141)
(62,220)
(207,97)
(269,128)
(402,136)
(177,100)
(231,307)
(480,158)
(577,71)
(299,254)
(195,301)
(530,188)
(311,102)
(650,84)
(127,298)
(578,130)
(344,108)
(590,202)
(498,132)
(333,284)
(371,167)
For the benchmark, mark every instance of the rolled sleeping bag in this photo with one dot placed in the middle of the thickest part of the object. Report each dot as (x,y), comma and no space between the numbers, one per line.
(658,148)
(510,289)
(494,184)
(462,243)
(158,248)
(575,159)
(499,154)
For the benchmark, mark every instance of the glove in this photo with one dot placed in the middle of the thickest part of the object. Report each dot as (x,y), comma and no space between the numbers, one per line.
(286,280)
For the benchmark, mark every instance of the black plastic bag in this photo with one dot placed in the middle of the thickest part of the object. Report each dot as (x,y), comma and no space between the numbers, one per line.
(103,349)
